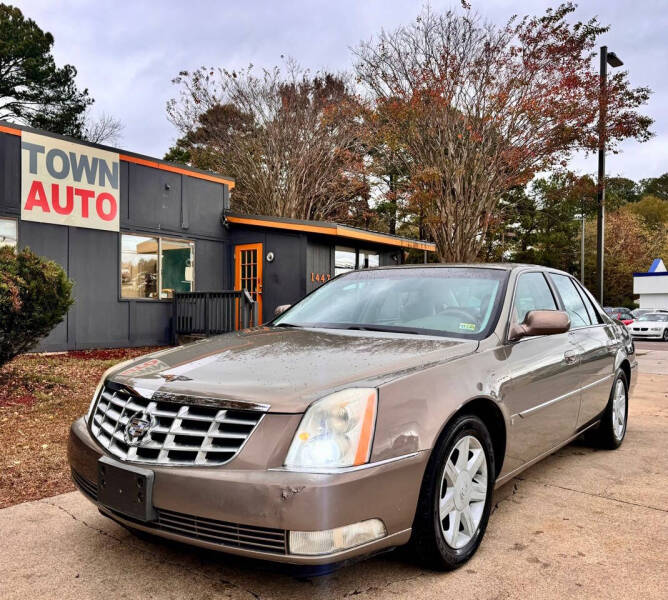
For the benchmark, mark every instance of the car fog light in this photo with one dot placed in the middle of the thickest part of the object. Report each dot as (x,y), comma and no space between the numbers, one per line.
(335,540)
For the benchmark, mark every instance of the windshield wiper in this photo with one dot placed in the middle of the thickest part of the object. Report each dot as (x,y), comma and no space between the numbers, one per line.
(378,328)
(286,325)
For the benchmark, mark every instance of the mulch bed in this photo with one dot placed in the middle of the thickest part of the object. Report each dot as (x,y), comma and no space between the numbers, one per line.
(40,396)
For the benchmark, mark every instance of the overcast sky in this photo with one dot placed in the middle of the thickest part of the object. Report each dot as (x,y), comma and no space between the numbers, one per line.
(127,52)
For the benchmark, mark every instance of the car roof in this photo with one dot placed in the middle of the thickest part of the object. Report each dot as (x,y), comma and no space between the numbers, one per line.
(500,266)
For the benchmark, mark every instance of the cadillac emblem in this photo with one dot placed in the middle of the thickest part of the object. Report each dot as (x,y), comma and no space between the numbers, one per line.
(139,425)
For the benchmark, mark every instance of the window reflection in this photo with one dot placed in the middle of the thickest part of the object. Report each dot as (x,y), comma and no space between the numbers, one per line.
(139,266)
(177,266)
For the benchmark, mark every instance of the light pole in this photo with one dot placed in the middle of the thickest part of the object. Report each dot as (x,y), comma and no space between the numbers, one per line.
(607,58)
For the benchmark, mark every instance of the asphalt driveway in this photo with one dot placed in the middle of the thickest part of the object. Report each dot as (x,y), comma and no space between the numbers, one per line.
(583,523)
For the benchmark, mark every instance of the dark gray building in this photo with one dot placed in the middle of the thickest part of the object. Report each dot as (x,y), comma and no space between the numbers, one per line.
(131,231)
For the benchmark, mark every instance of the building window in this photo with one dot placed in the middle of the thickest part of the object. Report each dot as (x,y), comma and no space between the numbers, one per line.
(177,267)
(142,274)
(368,259)
(349,259)
(345,259)
(8,233)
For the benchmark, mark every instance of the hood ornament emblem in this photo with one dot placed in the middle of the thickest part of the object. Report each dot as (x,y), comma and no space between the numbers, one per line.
(138,427)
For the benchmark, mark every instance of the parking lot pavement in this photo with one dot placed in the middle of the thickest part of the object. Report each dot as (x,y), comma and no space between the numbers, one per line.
(648,345)
(581,524)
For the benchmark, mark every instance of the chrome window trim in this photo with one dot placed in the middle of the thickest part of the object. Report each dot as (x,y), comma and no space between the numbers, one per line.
(533,409)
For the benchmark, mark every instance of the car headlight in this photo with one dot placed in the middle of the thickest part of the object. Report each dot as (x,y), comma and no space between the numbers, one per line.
(98,389)
(336,431)
(656,328)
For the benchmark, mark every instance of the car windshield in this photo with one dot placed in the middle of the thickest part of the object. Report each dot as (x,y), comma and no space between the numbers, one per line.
(452,301)
(654,317)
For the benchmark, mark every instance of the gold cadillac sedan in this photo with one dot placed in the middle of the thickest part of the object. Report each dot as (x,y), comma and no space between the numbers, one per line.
(380,410)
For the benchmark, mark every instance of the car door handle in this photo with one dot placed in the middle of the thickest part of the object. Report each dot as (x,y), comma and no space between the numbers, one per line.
(571,357)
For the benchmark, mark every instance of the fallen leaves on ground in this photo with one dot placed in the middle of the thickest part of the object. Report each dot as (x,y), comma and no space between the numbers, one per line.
(40,396)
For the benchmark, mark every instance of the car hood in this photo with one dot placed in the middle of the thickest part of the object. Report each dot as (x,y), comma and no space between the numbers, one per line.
(649,324)
(286,369)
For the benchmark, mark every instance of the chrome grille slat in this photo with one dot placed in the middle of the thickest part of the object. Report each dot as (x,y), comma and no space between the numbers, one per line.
(176,437)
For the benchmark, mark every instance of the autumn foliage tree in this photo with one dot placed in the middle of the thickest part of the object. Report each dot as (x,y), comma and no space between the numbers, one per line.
(630,247)
(471,110)
(289,139)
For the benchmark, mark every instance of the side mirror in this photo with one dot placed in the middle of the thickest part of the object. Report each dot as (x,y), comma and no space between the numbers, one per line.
(279,310)
(540,322)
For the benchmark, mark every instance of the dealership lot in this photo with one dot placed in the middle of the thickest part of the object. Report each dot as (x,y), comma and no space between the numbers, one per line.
(583,523)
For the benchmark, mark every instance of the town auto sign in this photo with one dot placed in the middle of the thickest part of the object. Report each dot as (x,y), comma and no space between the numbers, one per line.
(68,184)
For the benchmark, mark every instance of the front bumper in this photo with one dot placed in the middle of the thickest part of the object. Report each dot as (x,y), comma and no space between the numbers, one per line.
(271,499)
(646,335)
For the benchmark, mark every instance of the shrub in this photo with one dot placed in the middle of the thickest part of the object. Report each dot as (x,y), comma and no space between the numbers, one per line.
(35,295)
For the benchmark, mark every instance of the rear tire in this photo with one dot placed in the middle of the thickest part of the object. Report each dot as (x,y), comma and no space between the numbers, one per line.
(456,496)
(611,431)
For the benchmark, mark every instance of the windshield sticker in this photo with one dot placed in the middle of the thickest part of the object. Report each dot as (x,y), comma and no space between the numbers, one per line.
(467,326)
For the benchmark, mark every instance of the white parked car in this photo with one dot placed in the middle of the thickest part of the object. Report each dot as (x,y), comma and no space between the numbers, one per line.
(639,312)
(650,326)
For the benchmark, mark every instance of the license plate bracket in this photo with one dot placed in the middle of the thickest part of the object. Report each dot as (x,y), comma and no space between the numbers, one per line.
(125,489)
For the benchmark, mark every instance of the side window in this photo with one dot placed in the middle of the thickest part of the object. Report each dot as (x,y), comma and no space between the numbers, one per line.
(572,302)
(589,305)
(532,293)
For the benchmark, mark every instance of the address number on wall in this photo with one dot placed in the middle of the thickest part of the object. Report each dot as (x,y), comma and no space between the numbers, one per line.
(320,277)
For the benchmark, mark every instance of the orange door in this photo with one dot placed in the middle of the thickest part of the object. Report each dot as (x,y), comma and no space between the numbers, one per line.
(248,260)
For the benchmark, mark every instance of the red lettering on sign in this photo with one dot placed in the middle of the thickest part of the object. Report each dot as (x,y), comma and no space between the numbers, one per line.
(85,196)
(55,199)
(37,197)
(99,207)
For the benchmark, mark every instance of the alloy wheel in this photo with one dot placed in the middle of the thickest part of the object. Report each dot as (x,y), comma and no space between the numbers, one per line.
(619,409)
(463,492)
(665,335)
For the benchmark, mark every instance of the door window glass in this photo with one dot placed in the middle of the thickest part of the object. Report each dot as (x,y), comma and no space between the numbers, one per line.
(572,302)
(532,293)
(8,235)
(589,305)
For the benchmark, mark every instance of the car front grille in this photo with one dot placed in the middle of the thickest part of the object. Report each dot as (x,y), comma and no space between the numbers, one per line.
(222,533)
(181,433)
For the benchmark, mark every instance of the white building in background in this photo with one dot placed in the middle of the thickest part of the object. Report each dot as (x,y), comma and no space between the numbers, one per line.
(652,287)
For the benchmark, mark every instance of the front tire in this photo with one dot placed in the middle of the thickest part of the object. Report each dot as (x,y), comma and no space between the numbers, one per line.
(456,495)
(612,429)
(664,337)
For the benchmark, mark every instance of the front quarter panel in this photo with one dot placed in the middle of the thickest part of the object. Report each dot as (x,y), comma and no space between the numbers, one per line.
(413,410)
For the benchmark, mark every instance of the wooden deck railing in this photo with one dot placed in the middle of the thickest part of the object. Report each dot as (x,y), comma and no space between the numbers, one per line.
(212,313)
